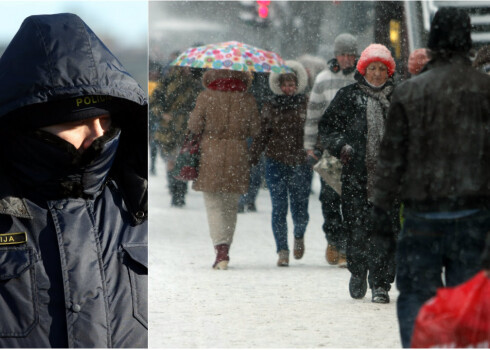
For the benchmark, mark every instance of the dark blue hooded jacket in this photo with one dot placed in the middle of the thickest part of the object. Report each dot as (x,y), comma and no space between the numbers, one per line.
(73,227)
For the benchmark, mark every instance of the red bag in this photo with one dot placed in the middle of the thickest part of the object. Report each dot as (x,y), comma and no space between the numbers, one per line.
(457,317)
(187,163)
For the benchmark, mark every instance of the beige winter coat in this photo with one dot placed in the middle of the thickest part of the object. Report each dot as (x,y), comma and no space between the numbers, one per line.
(226,120)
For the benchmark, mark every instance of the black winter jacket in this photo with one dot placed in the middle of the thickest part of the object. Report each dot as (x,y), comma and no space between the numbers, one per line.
(282,129)
(345,123)
(436,149)
(73,231)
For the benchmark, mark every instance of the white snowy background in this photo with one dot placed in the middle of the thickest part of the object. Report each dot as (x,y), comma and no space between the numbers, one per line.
(253,304)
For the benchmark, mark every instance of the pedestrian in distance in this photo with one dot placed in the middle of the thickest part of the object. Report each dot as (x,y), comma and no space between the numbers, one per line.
(170,105)
(73,191)
(417,60)
(154,76)
(287,173)
(225,115)
(340,73)
(262,93)
(314,65)
(482,59)
(351,130)
(435,157)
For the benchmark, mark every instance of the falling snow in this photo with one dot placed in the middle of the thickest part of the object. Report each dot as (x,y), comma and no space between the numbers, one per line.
(253,304)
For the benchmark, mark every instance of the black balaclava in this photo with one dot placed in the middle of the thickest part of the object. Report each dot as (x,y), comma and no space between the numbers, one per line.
(43,165)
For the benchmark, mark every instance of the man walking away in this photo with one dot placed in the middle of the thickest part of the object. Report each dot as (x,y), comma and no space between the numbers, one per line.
(435,155)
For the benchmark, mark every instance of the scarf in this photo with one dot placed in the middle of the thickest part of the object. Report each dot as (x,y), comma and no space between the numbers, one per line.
(228,84)
(334,67)
(376,110)
(45,166)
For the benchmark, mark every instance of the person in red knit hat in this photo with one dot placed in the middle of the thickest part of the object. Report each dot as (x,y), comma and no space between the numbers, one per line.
(351,129)
(376,53)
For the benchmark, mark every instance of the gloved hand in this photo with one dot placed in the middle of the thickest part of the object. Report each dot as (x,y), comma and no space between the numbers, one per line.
(346,154)
(313,156)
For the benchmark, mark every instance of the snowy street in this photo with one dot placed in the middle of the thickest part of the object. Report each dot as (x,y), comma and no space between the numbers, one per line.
(254,304)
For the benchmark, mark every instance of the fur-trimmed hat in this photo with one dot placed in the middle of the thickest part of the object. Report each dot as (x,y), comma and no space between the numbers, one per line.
(376,53)
(300,73)
(345,43)
(450,30)
(417,60)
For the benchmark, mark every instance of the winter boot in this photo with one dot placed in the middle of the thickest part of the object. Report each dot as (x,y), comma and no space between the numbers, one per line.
(342,260)
(332,254)
(222,257)
(178,201)
(251,207)
(299,248)
(358,286)
(178,189)
(241,208)
(283,258)
(380,296)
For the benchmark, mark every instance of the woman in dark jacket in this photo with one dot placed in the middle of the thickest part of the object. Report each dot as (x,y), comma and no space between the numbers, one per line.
(73,192)
(351,129)
(287,172)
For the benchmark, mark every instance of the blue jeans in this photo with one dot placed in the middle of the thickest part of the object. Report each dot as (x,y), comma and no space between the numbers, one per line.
(426,246)
(293,181)
(256,175)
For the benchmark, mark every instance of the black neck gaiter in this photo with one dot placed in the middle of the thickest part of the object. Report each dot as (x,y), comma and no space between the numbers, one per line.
(44,166)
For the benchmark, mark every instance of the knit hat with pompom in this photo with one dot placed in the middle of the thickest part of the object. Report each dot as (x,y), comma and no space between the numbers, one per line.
(376,53)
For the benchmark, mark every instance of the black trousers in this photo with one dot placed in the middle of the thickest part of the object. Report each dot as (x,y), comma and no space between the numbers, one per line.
(178,189)
(369,251)
(332,216)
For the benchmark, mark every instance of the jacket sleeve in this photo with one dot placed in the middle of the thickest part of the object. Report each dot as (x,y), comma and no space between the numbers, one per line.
(197,118)
(162,98)
(392,157)
(316,106)
(331,128)
(260,141)
(486,254)
(254,117)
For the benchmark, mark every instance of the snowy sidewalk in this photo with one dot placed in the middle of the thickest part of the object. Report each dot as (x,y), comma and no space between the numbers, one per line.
(253,304)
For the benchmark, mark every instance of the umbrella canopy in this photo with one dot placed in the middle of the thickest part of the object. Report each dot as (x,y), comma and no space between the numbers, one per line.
(232,55)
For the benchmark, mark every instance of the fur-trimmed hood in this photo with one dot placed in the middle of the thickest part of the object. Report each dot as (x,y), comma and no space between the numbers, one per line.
(300,72)
(214,74)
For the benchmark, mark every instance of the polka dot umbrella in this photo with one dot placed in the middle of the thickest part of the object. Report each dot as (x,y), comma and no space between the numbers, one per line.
(232,55)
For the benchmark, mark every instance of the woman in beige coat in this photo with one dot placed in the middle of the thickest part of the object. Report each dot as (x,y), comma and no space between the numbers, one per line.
(226,115)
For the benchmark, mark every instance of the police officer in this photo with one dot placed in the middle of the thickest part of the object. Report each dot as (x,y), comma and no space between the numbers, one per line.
(73,191)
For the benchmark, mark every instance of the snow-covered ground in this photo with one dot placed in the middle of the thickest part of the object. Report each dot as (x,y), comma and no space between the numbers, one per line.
(253,304)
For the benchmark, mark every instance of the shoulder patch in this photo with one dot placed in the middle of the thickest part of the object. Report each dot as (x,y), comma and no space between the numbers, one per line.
(13,238)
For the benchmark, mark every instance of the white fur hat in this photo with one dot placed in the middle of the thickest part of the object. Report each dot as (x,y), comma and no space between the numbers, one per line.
(300,72)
